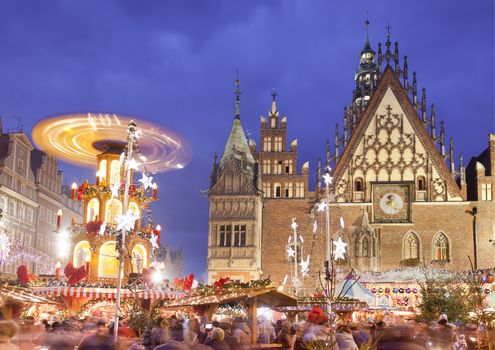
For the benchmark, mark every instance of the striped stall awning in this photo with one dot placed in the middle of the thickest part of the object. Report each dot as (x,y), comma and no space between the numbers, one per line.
(106,293)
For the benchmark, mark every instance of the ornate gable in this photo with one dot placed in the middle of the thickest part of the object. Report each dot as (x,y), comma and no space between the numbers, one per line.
(234,179)
(391,144)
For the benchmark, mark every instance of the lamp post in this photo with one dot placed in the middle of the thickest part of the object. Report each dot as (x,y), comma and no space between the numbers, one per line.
(132,135)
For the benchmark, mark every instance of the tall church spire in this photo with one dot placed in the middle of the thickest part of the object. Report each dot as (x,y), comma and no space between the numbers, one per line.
(237,114)
(367,73)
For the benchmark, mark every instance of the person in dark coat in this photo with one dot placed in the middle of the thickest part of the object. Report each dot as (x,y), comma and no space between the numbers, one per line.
(229,338)
(99,341)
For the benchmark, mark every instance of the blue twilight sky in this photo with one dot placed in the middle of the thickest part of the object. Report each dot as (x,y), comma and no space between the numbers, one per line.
(174,62)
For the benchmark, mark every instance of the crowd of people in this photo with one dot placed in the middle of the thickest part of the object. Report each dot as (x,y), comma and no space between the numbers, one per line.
(179,333)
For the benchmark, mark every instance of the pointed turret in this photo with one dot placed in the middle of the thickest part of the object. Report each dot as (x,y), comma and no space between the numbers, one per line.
(405,74)
(442,140)
(337,142)
(423,106)
(451,157)
(366,74)
(237,145)
(415,91)
(432,124)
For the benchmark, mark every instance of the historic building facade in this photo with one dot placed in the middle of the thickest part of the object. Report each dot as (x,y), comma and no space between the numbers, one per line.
(403,196)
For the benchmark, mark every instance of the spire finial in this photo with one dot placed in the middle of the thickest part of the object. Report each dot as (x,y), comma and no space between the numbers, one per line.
(274,94)
(366,24)
(388,52)
(442,139)
(237,114)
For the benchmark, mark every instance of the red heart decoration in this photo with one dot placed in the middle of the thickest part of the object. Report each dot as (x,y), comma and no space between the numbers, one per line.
(78,275)
(22,274)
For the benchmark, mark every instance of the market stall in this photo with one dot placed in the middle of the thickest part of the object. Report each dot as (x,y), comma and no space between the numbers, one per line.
(13,297)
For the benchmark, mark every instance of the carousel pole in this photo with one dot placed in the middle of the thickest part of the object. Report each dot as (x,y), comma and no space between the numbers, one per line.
(328,252)
(121,246)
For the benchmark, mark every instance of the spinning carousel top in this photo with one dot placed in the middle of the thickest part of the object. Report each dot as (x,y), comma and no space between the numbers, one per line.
(79,138)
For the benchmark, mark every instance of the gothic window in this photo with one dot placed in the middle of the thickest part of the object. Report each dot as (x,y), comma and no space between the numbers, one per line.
(225,236)
(278,166)
(358,185)
(373,247)
(411,246)
(365,247)
(266,166)
(288,166)
(288,189)
(356,247)
(278,144)
(277,191)
(486,192)
(239,235)
(114,172)
(92,210)
(421,183)
(266,190)
(267,144)
(113,208)
(441,248)
(299,190)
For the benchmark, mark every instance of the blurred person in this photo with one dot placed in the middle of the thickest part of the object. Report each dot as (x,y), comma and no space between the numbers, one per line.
(176,329)
(192,332)
(101,340)
(30,336)
(8,330)
(217,340)
(344,338)
(460,343)
(173,345)
(265,331)
(286,336)
(229,338)
(242,333)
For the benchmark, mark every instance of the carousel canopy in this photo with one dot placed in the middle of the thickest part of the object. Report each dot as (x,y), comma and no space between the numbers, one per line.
(265,296)
(23,295)
(351,288)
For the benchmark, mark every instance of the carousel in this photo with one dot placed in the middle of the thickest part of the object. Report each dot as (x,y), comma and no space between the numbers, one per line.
(117,243)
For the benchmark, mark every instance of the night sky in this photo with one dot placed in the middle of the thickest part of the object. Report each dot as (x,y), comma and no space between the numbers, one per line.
(174,63)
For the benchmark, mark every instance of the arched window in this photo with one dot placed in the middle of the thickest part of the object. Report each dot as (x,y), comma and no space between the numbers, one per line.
(114,172)
(81,252)
(358,185)
(441,248)
(103,170)
(373,246)
(365,247)
(411,246)
(356,247)
(139,258)
(421,183)
(134,208)
(108,264)
(113,208)
(92,210)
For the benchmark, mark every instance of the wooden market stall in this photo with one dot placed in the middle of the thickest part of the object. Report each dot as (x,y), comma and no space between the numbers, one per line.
(251,297)
(20,295)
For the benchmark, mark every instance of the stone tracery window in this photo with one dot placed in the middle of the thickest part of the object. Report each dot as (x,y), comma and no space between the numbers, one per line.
(441,248)
(411,246)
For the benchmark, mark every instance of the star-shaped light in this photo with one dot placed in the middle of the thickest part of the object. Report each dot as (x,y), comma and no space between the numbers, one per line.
(291,252)
(304,266)
(126,221)
(339,252)
(294,225)
(132,164)
(341,222)
(321,206)
(146,181)
(102,229)
(315,226)
(327,178)
(115,189)
(154,241)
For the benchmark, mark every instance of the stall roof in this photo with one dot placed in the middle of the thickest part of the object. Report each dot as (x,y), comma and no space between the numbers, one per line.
(24,295)
(265,296)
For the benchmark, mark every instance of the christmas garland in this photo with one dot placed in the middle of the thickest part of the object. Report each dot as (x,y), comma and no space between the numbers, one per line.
(128,306)
(229,286)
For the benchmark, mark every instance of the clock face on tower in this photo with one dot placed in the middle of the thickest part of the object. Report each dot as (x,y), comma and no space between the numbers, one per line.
(391,202)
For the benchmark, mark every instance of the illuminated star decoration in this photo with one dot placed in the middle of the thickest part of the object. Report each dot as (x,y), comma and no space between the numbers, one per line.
(341,222)
(304,266)
(315,226)
(132,164)
(327,179)
(294,225)
(146,181)
(339,252)
(154,241)
(126,221)
(115,189)
(101,232)
(321,206)
(291,252)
